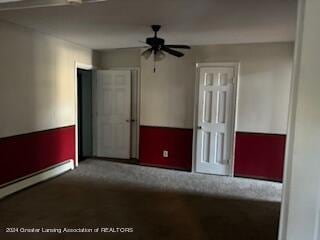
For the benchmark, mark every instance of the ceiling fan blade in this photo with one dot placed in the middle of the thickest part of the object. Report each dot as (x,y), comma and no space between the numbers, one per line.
(172,52)
(147,53)
(178,46)
(23,4)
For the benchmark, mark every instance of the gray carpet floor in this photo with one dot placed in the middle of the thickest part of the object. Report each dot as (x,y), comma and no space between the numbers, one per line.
(156,203)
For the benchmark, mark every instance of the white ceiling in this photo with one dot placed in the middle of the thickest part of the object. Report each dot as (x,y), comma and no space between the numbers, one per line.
(122,23)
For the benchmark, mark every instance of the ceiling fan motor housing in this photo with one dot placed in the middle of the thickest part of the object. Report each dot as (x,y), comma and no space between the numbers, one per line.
(155,28)
(155,42)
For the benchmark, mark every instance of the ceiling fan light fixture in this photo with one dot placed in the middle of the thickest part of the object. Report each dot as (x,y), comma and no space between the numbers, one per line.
(147,53)
(159,56)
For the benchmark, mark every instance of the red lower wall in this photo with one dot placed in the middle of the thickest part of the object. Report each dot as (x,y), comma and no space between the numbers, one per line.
(25,154)
(260,156)
(154,140)
(257,155)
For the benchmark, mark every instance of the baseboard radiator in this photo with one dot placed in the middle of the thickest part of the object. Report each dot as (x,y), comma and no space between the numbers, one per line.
(40,176)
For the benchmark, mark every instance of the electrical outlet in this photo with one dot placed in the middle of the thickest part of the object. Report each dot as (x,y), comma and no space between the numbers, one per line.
(165,154)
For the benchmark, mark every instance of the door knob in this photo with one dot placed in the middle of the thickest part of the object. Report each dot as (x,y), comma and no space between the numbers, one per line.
(199,127)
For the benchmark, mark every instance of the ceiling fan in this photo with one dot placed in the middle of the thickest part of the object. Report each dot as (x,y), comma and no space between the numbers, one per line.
(158,47)
(24,4)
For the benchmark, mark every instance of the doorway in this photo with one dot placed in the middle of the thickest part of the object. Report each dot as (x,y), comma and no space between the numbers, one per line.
(84,110)
(216,118)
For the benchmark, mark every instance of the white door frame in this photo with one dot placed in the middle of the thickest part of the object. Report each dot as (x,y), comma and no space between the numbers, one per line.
(78,65)
(283,222)
(138,102)
(236,66)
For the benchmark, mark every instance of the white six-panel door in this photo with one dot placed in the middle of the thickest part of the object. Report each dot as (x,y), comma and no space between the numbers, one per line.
(113,113)
(215,120)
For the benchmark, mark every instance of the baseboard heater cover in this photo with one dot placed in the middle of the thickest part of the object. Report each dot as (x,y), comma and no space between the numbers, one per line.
(27,181)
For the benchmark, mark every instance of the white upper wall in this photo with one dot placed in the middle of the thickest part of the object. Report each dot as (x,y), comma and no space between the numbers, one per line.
(114,58)
(264,86)
(36,80)
(167,96)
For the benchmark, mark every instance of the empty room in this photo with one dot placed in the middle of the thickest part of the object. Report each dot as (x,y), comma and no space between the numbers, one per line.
(151,119)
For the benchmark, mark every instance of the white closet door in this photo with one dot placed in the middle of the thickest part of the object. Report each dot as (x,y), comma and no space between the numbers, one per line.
(113,113)
(215,120)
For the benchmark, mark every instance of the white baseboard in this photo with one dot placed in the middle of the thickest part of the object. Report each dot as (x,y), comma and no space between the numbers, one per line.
(37,177)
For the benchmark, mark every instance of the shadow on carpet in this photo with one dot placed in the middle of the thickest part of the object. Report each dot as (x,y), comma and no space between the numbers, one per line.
(153,214)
